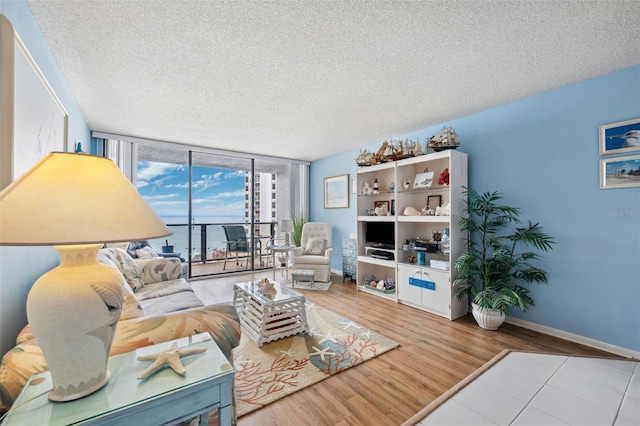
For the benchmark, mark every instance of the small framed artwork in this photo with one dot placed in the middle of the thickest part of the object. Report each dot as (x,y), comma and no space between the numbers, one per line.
(621,137)
(434,201)
(336,192)
(383,204)
(620,172)
(423,180)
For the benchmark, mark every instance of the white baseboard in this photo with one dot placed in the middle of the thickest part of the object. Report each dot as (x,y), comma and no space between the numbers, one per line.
(586,341)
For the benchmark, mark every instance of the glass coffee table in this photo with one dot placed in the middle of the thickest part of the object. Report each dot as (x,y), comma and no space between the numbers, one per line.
(266,318)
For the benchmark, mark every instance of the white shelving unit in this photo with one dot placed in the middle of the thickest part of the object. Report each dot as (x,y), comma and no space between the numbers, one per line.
(419,285)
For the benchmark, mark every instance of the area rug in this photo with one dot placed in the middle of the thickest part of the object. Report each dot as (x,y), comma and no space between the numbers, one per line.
(304,285)
(280,368)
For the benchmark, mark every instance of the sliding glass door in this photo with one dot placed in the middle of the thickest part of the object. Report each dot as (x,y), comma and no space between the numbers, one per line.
(204,196)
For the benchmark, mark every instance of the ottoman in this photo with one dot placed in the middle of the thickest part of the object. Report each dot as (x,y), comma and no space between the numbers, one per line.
(303,275)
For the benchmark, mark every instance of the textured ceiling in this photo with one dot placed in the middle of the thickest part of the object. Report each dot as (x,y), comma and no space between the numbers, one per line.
(305,80)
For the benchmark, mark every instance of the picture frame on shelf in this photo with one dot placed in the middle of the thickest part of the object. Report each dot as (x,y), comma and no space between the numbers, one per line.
(434,201)
(382,204)
(620,172)
(621,137)
(423,180)
(336,192)
(34,120)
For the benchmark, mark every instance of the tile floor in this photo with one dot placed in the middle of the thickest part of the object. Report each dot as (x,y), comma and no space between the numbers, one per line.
(538,389)
(220,289)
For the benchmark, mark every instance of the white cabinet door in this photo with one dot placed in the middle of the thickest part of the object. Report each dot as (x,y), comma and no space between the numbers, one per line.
(406,292)
(438,299)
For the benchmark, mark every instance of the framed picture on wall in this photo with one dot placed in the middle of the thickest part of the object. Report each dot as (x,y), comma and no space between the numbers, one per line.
(620,172)
(34,121)
(336,192)
(621,137)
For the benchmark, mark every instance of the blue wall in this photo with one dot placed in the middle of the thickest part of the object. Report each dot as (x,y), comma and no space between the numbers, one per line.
(21,266)
(542,153)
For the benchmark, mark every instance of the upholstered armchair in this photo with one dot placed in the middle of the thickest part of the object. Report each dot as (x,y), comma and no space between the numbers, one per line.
(314,252)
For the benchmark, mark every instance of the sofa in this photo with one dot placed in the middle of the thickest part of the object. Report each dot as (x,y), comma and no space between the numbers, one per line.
(158,306)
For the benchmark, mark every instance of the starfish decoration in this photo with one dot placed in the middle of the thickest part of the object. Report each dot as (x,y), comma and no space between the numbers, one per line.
(170,357)
(321,352)
(287,354)
(328,336)
(367,334)
(349,324)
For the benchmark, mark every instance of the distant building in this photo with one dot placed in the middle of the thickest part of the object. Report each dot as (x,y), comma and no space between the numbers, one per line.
(264,201)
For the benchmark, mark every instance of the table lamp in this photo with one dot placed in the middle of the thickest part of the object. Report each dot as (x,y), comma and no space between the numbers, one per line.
(75,202)
(286,227)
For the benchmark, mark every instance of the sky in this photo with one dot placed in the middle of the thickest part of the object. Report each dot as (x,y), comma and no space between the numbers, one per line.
(218,194)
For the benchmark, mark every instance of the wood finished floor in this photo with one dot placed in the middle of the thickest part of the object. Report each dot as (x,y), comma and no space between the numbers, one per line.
(433,356)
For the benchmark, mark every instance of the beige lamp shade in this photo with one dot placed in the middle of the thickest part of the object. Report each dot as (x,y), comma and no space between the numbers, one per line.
(75,199)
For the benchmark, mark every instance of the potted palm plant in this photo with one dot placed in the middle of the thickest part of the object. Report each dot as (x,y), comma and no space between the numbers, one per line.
(497,267)
(298,222)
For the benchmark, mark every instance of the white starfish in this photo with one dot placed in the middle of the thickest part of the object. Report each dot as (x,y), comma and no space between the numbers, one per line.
(321,352)
(349,324)
(170,357)
(328,336)
(367,334)
(286,353)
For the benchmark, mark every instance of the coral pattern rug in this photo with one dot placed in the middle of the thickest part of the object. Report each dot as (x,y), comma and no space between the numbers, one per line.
(280,368)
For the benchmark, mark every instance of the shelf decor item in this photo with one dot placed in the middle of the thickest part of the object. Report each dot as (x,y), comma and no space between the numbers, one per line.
(76,203)
(446,138)
(423,180)
(381,208)
(495,271)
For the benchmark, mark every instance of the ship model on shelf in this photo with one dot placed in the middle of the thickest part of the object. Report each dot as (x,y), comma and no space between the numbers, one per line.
(399,149)
(446,138)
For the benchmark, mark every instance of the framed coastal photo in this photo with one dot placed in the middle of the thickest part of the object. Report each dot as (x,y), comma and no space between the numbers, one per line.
(423,180)
(434,201)
(382,204)
(34,121)
(620,172)
(621,137)
(336,192)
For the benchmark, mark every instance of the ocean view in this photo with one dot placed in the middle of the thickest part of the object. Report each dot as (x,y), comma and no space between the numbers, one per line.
(180,237)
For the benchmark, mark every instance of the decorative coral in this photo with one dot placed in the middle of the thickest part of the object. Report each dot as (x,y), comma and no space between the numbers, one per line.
(443,179)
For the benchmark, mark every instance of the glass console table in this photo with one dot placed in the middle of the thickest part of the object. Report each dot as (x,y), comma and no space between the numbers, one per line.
(163,398)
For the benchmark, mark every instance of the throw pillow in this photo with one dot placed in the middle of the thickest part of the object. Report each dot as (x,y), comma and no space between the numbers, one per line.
(129,268)
(123,246)
(315,246)
(145,253)
(131,307)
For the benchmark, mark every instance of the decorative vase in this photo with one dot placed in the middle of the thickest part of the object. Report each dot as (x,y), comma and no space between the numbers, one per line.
(78,303)
(489,319)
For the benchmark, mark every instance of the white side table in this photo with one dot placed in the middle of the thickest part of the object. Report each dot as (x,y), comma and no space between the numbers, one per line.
(280,249)
(163,398)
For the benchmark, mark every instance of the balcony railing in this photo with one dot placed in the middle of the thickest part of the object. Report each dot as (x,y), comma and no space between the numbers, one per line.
(207,252)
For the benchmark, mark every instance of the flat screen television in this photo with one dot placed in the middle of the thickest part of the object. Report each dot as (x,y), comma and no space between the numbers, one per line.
(380,234)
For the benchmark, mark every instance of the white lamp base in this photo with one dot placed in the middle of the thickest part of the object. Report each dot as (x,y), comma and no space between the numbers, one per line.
(73,311)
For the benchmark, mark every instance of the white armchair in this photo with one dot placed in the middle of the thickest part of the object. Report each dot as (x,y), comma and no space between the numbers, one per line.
(314,252)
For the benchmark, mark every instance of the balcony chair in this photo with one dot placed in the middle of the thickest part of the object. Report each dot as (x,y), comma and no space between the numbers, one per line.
(314,252)
(238,242)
